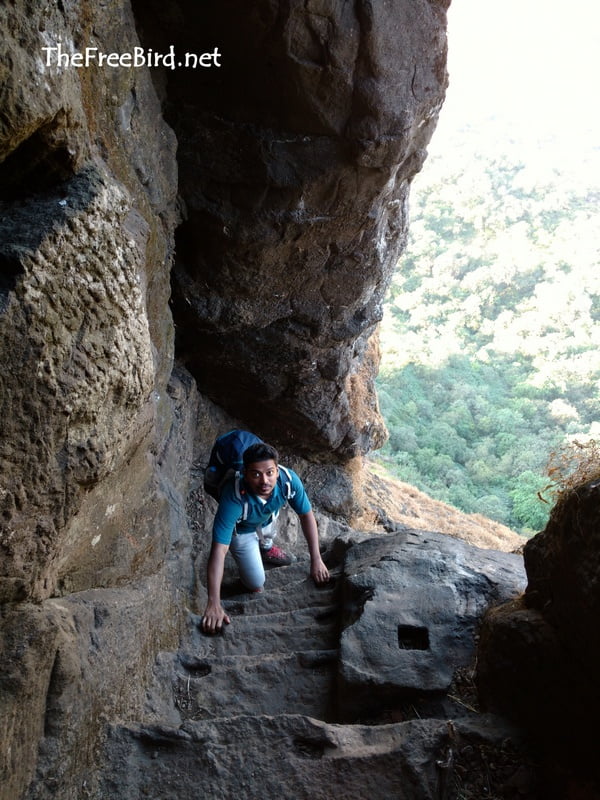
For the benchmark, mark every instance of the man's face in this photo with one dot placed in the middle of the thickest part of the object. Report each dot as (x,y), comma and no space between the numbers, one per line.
(261,477)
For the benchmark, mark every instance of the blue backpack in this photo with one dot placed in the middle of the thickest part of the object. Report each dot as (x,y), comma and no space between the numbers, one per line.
(226,459)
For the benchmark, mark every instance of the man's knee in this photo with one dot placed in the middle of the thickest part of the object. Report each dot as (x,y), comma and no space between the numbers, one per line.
(253,586)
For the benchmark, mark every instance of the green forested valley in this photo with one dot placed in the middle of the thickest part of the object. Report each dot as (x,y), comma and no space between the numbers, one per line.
(490,339)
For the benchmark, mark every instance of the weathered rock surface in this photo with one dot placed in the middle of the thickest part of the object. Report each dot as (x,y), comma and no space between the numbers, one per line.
(293,756)
(92,464)
(540,656)
(296,158)
(419,598)
(85,329)
(71,662)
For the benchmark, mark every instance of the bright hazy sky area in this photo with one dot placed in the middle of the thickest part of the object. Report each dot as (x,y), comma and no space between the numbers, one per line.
(530,66)
(523,90)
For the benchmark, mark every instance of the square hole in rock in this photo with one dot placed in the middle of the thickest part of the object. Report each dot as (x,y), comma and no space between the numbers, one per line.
(413,637)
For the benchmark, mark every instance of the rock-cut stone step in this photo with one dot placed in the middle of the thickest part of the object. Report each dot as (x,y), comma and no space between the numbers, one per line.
(290,756)
(300,682)
(279,654)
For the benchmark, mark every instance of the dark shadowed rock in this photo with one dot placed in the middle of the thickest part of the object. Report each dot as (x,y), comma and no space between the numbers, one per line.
(296,157)
(563,571)
(291,756)
(539,658)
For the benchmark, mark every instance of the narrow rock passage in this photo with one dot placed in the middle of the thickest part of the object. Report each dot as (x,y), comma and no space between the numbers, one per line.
(255,712)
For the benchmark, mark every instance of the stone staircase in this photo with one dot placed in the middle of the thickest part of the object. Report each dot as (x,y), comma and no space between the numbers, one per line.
(278,656)
(262,710)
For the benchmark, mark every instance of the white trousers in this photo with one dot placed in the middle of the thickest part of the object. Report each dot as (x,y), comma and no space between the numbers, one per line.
(245,548)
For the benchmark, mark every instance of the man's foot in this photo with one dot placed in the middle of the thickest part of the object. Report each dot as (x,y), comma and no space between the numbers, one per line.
(275,557)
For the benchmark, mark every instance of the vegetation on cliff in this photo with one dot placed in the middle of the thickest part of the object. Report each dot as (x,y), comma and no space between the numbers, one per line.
(490,338)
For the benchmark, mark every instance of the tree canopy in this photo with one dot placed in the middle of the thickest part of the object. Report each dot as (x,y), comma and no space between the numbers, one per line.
(490,339)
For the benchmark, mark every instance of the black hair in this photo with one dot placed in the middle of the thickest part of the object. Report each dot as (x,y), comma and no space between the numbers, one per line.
(260,452)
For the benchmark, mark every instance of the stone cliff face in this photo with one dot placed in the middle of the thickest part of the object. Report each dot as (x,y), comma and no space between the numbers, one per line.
(267,198)
(87,195)
(88,185)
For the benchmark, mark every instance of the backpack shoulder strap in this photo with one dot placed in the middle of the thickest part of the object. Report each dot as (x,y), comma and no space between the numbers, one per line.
(289,492)
(241,496)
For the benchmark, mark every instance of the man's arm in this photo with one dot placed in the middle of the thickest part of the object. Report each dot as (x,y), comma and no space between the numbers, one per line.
(214,615)
(318,570)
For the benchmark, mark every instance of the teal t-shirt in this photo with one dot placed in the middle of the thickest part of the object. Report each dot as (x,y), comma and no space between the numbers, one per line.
(231,508)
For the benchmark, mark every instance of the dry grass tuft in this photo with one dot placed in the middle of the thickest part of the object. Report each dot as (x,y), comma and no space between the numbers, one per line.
(574,464)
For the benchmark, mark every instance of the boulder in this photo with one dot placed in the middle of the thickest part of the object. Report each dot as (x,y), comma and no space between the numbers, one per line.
(539,657)
(412,605)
